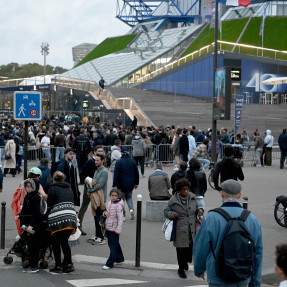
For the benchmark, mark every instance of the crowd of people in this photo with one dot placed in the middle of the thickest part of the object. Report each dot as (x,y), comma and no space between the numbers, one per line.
(86,152)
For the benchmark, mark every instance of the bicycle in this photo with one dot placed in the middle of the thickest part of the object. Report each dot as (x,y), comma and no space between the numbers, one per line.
(210,176)
(280,210)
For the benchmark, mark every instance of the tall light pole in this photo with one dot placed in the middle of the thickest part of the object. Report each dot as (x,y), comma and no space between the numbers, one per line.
(45,52)
(214,121)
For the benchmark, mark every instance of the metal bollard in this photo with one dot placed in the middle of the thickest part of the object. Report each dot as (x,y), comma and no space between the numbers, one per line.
(138,232)
(3,220)
(245,202)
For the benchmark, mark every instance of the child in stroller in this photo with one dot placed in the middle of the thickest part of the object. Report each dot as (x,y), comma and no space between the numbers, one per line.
(20,249)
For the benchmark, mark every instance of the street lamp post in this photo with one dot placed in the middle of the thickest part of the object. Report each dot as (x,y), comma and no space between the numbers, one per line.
(214,122)
(45,52)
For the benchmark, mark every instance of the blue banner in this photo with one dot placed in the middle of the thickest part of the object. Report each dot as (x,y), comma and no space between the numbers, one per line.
(238,112)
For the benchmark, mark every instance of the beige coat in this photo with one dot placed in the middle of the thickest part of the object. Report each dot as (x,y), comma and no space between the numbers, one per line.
(10,147)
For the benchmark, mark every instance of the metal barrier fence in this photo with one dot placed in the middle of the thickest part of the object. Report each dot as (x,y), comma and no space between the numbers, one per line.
(154,153)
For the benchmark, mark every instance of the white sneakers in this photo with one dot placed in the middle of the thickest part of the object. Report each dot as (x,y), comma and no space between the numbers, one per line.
(132,214)
(105,267)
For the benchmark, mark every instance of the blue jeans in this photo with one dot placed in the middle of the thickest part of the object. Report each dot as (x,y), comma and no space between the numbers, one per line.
(116,254)
(283,156)
(205,162)
(126,195)
(47,153)
(59,153)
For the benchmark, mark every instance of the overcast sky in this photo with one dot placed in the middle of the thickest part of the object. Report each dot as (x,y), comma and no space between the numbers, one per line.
(25,24)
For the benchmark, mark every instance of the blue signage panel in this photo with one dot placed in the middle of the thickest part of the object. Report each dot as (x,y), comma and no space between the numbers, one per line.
(27,106)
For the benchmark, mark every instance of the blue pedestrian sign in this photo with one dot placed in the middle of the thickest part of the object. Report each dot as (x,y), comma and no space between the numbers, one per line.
(27,106)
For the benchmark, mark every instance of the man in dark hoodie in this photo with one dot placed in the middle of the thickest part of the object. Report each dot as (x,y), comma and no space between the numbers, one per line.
(228,168)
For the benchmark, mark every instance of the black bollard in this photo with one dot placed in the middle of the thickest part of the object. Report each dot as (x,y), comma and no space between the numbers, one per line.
(138,232)
(245,202)
(3,219)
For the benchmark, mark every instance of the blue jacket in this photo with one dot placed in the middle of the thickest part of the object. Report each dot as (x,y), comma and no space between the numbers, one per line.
(212,229)
(126,174)
(45,180)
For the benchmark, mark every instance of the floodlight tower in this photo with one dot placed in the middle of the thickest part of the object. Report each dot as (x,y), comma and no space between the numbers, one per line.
(45,52)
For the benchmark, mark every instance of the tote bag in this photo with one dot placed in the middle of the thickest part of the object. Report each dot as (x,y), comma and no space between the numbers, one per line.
(169,230)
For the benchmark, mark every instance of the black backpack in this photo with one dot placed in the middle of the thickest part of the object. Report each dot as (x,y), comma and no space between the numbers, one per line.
(236,257)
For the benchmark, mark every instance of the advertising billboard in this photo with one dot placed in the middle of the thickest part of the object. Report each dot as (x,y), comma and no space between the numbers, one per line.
(222,94)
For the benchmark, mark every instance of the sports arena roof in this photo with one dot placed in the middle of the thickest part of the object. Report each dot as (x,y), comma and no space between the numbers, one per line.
(146,48)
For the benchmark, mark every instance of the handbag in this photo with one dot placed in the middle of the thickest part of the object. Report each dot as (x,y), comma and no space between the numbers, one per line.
(8,156)
(169,230)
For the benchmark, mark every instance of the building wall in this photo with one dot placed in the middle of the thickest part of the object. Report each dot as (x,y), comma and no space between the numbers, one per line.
(195,79)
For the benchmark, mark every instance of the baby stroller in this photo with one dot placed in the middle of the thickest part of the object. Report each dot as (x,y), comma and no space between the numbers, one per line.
(238,155)
(20,249)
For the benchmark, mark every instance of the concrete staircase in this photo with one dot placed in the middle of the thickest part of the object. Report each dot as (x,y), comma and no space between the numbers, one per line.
(164,108)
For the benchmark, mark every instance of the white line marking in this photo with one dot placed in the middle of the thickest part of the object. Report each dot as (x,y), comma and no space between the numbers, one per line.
(102,282)
(101,260)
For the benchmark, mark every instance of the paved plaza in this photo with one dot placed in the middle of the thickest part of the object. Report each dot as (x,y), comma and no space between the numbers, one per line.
(158,257)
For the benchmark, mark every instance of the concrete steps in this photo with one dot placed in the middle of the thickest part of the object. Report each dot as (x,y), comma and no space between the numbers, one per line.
(163,109)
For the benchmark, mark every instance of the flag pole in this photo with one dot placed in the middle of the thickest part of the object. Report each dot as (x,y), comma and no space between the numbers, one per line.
(214,122)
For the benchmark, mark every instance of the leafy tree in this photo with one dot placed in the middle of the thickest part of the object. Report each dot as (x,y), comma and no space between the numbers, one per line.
(15,71)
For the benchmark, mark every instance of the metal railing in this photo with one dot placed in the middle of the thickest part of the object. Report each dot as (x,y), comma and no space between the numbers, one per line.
(128,104)
(223,46)
(154,153)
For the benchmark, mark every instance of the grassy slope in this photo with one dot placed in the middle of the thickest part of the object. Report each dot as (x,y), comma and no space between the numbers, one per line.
(108,46)
(272,36)
(230,33)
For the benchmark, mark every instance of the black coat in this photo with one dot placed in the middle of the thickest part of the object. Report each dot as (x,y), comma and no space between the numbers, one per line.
(30,213)
(282,141)
(71,178)
(175,177)
(82,146)
(89,169)
(228,168)
(110,139)
(59,192)
(200,186)
(183,145)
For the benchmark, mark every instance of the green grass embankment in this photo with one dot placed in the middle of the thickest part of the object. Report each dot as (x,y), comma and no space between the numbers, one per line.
(108,46)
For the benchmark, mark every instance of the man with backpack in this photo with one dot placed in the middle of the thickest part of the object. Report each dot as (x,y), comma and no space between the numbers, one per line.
(230,258)
(82,148)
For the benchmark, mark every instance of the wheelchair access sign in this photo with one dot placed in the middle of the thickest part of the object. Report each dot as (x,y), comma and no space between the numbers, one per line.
(27,106)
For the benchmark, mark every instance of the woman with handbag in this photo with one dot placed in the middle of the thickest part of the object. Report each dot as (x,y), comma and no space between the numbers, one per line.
(10,156)
(182,209)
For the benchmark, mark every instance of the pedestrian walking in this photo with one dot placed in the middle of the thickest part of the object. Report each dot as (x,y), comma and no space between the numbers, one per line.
(209,255)
(126,179)
(182,208)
